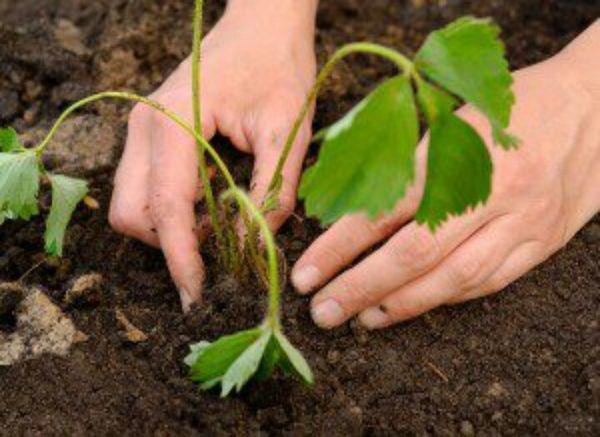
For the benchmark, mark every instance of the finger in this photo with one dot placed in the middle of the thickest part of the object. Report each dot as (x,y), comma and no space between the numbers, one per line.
(352,235)
(523,259)
(466,268)
(267,150)
(129,209)
(342,244)
(174,180)
(413,251)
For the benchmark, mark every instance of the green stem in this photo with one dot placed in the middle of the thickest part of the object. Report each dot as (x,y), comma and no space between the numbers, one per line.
(273,318)
(197,109)
(39,149)
(401,61)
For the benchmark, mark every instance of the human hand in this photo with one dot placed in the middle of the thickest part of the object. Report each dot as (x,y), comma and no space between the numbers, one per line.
(543,193)
(258,65)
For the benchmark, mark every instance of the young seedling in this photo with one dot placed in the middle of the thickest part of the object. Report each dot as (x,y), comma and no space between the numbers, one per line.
(365,164)
(232,360)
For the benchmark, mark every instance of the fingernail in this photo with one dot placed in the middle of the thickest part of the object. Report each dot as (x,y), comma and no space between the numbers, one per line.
(373,318)
(328,314)
(186,300)
(306,278)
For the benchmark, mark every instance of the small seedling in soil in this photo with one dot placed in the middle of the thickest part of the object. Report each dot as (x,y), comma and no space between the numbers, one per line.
(365,164)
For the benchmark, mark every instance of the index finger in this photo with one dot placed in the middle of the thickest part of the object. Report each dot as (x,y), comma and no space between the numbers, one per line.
(174,180)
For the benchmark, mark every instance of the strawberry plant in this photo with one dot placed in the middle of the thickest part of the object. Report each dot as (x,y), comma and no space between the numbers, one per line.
(365,164)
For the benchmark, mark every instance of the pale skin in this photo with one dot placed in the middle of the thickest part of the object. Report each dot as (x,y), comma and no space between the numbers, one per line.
(258,66)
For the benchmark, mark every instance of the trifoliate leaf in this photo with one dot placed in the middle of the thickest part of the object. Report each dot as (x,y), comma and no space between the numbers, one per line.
(66,194)
(9,141)
(434,101)
(467,58)
(367,158)
(459,171)
(216,358)
(19,184)
(245,365)
(295,358)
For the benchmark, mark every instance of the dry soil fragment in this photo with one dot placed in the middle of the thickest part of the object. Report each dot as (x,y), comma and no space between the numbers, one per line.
(41,328)
(83,144)
(132,333)
(69,36)
(85,289)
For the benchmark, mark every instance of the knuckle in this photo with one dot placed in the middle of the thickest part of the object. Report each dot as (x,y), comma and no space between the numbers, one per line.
(354,295)
(467,273)
(419,250)
(163,208)
(120,221)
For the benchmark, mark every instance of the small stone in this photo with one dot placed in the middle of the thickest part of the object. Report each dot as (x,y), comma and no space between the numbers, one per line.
(333,356)
(69,36)
(80,337)
(132,333)
(467,428)
(497,416)
(9,104)
(85,289)
(497,390)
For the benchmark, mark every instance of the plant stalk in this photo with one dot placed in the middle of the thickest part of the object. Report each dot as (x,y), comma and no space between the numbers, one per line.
(401,61)
(39,149)
(273,311)
(197,109)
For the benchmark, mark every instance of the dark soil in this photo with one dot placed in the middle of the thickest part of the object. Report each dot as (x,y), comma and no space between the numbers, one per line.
(526,361)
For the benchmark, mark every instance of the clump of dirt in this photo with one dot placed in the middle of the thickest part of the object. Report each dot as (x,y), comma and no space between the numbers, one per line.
(525,361)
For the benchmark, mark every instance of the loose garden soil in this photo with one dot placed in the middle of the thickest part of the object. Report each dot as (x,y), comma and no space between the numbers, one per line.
(526,361)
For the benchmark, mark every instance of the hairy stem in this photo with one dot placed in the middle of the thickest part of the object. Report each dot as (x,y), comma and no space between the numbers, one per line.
(401,61)
(273,272)
(39,149)
(197,109)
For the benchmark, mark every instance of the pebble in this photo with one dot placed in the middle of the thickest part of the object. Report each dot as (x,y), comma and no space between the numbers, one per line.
(467,428)
(85,289)
(132,333)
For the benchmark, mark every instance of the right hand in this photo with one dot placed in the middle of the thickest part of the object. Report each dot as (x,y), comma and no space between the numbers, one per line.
(258,64)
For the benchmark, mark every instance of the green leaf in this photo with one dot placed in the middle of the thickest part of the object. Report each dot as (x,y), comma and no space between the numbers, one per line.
(467,58)
(195,351)
(9,141)
(19,184)
(372,147)
(270,360)
(66,194)
(459,171)
(245,365)
(216,358)
(295,358)
(434,101)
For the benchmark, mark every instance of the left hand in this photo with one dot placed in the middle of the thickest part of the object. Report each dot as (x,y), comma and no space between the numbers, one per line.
(543,193)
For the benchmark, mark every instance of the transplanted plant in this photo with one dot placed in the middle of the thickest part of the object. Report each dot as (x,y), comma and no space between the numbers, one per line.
(365,164)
